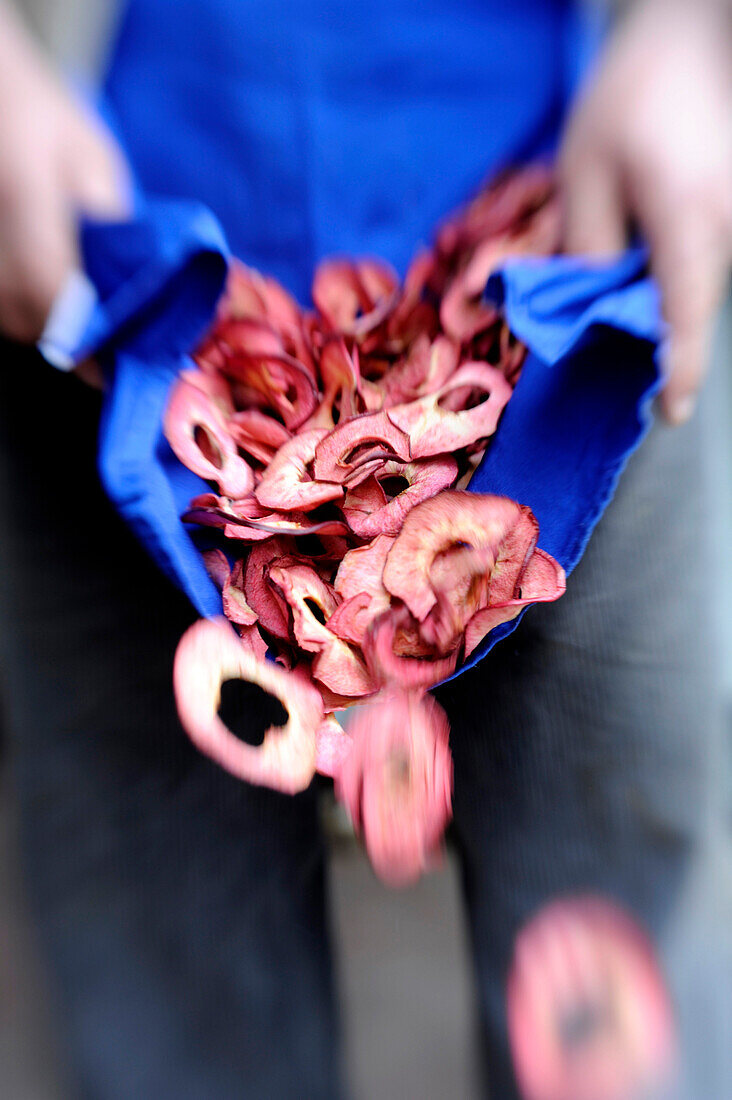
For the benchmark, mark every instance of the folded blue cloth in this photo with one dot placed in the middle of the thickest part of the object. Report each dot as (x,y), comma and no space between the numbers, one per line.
(580,408)
(583,401)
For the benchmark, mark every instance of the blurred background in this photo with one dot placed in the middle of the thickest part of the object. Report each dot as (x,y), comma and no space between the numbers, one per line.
(406,985)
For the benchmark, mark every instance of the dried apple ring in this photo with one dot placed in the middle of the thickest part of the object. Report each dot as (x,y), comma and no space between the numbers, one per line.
(209,654)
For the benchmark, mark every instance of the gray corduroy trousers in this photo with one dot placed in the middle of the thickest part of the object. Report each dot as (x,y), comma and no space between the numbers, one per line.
(184,914)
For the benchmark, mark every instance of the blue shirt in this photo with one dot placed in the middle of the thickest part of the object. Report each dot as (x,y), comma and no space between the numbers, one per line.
(318,126)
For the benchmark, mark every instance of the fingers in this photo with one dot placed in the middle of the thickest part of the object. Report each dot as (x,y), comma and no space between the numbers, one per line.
(593,209)
(650,144)
(37,249)
(689,231)
(56,161)
(691,248)
(43,188)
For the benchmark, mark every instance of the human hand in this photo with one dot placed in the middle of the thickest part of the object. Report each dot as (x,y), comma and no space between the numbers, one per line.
(650,144)
(56,160)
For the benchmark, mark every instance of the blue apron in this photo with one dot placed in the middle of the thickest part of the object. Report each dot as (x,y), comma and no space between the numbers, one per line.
(306,128)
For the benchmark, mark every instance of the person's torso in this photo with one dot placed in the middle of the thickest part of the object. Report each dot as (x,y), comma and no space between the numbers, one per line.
(314,126)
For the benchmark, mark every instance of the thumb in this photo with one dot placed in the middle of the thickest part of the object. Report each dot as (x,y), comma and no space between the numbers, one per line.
(593,211)
(97,173)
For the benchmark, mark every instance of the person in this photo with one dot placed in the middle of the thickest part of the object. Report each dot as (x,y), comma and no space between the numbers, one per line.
(184,914)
